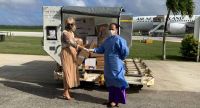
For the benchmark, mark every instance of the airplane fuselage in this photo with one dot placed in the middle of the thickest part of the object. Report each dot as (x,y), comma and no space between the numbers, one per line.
(176,24)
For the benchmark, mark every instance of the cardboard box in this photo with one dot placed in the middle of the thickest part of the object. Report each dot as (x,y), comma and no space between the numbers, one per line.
(90,63)
(100,63)
(84,53)
(99,67)
(90,39)
(102,32)
(101,58)
(82,56)
(96,55)
(80,60)
(92,45)
(91,42)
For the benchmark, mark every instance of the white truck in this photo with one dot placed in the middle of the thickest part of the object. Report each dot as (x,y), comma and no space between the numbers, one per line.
(88,18)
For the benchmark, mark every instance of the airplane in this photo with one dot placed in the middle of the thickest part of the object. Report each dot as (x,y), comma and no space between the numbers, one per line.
(177,24)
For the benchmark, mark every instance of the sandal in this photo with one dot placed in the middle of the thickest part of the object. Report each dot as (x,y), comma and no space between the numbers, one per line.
(112,104)
(67,98)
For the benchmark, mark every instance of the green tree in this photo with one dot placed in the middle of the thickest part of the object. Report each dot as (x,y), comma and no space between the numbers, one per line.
(189,46)
(183,7)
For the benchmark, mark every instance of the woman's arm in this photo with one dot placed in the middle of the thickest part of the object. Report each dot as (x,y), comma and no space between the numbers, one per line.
(99,50)
(122,48)
(79,41)
(69,40)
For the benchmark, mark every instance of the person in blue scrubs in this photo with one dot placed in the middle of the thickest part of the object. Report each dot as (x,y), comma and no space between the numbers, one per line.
(115,50)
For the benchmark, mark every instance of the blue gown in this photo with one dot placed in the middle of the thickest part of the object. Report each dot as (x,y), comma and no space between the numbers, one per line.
(115,50)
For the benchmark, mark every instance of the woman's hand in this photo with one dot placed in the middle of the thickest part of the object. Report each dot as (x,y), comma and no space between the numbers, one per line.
(91,50)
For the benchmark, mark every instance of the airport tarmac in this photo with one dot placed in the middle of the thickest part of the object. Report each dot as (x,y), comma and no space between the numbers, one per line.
(21,33)
(170,39)
(26,81)
(40,34)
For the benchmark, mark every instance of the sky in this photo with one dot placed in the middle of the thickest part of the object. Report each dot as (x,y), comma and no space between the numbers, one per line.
(29,12)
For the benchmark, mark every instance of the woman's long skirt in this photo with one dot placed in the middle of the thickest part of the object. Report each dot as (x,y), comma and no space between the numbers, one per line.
(117,95)
(69,63)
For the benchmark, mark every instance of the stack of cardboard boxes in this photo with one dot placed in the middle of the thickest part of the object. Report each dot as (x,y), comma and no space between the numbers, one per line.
(91,42)
(84,56)
(100,62)
(92,60)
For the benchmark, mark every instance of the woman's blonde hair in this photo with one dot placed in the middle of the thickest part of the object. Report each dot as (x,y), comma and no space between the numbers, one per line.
(70,20)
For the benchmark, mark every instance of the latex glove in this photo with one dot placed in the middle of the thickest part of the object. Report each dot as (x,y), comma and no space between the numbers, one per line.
(91,50)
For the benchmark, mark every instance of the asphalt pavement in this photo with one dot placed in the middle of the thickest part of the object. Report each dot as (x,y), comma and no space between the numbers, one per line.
(26,81)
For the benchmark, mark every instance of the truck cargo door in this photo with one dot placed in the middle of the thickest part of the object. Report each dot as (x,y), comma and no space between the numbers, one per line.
(126,28)
(52,31)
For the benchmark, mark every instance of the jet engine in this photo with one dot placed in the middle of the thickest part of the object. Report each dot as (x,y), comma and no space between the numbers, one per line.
(177,28)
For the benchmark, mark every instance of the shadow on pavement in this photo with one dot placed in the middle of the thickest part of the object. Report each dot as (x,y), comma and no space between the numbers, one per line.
(49,91)
(36,78)
(34,72)
(46,91)
(88,98)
